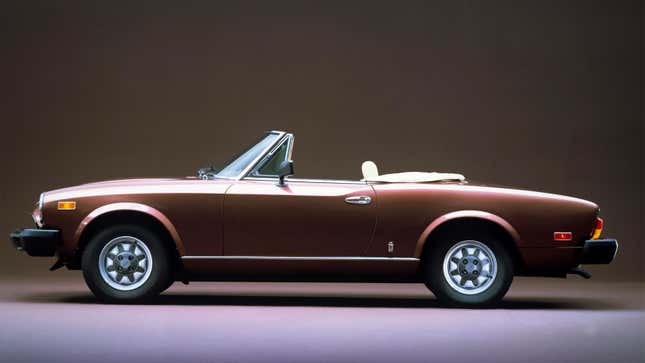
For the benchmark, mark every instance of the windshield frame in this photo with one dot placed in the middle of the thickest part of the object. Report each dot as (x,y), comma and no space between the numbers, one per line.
(255,160)
(288,140)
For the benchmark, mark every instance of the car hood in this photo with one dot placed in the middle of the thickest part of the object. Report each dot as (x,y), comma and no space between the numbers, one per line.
(116,183)
(130,186)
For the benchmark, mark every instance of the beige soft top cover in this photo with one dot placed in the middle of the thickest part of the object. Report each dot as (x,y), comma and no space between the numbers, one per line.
(370,174)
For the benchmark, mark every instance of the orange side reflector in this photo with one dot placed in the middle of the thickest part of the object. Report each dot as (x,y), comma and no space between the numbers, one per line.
(67,205)
(598,229)
(562,236)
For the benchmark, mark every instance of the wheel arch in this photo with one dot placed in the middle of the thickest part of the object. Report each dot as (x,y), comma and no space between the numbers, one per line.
(478,219)
(126,213)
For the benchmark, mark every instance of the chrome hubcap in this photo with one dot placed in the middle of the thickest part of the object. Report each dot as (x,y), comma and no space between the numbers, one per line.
(470,267)
(125,263)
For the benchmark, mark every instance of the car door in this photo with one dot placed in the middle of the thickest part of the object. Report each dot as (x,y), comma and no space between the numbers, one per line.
(303,218)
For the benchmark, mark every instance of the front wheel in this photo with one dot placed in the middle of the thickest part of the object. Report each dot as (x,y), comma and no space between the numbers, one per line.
(469,271)
(126,264)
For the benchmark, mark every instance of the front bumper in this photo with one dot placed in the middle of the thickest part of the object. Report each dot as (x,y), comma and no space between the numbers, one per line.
(598,251)
(36,242)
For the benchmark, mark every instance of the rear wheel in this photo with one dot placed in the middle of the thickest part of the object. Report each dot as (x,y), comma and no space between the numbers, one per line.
(468,270)
(126,264)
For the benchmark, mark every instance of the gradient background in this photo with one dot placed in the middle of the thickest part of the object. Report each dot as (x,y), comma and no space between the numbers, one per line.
(539,95)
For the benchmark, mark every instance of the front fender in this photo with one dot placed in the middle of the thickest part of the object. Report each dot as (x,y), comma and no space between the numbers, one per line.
(134,207)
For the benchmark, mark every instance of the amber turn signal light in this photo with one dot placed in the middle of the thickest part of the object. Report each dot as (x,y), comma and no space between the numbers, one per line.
(67,205)
(562,236)
(597,229)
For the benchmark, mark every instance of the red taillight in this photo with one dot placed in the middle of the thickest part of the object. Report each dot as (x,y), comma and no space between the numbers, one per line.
(597,229)
(562,236)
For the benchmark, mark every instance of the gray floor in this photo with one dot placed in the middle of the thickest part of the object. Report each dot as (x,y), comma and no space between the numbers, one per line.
(541,320)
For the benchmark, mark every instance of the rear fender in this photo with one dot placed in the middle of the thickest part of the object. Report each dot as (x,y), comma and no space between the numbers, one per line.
(477,214)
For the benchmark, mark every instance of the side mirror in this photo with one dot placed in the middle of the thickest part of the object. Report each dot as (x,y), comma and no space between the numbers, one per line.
(285,169)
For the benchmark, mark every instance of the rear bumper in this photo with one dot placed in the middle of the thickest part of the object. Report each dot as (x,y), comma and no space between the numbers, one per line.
(36,242)
(598,251)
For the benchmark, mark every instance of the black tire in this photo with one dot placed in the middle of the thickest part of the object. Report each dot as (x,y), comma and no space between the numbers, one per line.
(160,275)
(437,282)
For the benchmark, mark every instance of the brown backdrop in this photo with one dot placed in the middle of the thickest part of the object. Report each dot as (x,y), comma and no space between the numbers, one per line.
(544,96)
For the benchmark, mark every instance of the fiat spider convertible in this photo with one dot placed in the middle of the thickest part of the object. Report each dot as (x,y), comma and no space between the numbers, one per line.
(251,221)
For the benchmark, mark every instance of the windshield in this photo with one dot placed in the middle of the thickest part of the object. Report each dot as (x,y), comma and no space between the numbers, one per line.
(235,167)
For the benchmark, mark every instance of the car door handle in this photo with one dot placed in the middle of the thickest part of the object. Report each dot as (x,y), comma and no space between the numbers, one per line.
(358,199)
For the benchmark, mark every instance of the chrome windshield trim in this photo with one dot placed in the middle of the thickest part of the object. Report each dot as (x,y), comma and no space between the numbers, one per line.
(259,157)
(303,258)
(285,137)
(288,138)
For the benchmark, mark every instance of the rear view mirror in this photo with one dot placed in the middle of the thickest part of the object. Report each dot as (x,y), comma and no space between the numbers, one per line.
(285,169)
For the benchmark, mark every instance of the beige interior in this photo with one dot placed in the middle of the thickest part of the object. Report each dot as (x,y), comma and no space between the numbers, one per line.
(370,174)
(369,170)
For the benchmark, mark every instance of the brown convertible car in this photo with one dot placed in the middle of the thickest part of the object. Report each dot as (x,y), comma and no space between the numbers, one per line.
(247,221)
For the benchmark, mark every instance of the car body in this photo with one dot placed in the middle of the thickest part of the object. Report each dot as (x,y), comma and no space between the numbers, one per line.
(247,222)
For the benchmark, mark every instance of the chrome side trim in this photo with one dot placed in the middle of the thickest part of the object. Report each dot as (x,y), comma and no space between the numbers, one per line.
(336,181)
(303,258)
(326,181)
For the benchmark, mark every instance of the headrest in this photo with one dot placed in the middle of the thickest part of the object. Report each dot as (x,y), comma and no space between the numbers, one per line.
(369,170)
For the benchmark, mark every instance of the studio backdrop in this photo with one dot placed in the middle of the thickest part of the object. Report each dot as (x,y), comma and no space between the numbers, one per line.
(546,97)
